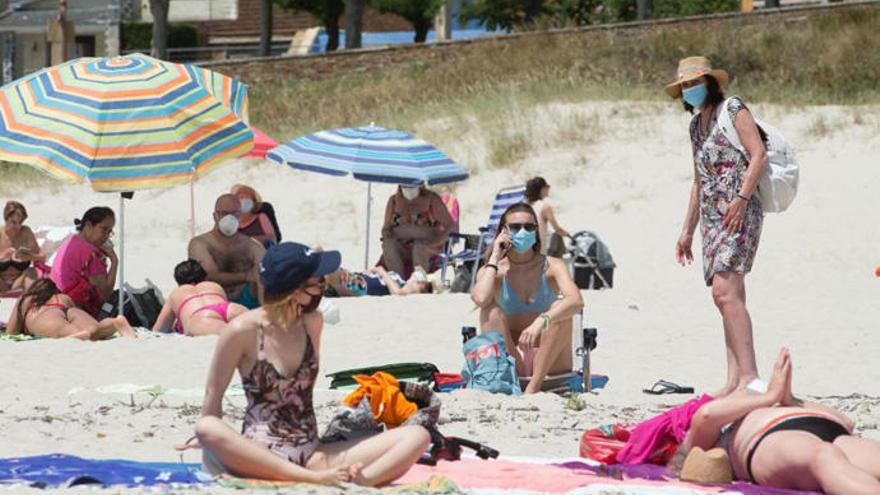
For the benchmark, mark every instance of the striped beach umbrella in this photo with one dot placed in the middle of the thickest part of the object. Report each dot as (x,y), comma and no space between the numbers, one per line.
(371,154)
(124,123)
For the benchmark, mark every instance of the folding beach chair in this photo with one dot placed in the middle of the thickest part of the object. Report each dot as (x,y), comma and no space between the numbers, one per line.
(49,239)
(470,254)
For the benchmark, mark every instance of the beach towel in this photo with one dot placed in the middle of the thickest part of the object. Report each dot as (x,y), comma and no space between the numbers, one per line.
(382,392)
(656,439)
(55,470)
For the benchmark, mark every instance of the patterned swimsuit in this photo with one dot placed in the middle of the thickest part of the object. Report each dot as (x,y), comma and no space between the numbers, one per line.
(722,170)
(280,413)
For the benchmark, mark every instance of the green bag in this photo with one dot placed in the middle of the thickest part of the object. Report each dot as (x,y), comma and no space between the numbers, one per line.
(417,372)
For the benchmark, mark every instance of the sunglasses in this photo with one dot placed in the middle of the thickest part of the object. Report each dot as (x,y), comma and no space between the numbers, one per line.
(516,227)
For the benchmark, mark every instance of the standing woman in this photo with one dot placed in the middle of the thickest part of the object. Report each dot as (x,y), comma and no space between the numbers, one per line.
(80,267)
(723,200)
(18,249)
(276,350)
(537,191)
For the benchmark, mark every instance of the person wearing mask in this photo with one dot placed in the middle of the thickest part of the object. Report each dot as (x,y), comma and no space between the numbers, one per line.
(416,227)
(80,269)
(229,257)
(18,249)
(253,222)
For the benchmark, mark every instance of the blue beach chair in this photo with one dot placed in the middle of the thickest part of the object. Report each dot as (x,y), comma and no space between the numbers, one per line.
(466,254)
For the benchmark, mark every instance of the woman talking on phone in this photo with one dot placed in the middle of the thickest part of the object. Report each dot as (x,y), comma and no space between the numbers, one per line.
(527,297)
(80,268)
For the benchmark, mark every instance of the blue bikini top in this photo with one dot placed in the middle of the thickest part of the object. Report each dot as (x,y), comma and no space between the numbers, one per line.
(511,304)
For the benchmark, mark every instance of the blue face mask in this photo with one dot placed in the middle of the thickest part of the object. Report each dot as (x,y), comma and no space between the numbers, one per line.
(695,96)
(522,240)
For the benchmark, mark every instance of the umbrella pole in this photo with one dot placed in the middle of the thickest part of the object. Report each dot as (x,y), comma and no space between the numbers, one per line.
(192,208)
(121,274)
(367,243)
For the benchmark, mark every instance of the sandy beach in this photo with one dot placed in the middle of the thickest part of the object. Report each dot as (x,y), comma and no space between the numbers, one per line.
(813,288)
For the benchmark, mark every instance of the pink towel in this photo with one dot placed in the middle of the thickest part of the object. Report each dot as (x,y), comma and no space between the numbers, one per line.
(656,434)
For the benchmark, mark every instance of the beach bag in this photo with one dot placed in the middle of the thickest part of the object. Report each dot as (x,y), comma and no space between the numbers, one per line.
(778,187)
(488,366)
(141,305)
(603,443)
(592,262)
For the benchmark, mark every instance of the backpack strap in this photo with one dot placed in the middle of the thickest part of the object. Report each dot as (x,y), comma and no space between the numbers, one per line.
(727,126)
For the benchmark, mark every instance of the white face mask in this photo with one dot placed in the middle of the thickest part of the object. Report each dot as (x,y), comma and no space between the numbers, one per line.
(247,205)
(409,192)
(228,225)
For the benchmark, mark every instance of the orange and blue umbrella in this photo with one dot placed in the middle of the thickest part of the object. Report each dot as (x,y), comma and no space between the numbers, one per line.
(124,123)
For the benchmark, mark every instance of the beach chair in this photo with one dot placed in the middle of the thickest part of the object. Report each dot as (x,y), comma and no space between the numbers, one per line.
(470,247)
(49,239)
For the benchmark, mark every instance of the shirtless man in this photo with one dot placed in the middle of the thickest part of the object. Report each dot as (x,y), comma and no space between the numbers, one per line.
(229,258)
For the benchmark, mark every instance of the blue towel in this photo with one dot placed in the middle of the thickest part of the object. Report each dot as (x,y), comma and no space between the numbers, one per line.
(65,470)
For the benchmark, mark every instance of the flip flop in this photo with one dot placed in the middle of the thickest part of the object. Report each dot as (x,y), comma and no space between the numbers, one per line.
(663,387)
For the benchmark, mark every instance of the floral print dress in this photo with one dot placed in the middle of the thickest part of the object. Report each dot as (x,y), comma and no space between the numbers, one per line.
(722,171)
(280,413)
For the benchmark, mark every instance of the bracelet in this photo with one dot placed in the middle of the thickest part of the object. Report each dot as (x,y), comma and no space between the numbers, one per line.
(547,320)
(492,265)
(744,198)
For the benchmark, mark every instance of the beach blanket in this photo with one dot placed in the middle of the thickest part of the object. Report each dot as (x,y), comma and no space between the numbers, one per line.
(54,470)
(654,472)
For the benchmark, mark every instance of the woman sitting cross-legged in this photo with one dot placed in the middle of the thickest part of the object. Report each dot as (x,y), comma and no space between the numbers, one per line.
(43,311)
(198,306)
(518,293)
(777,440)
(276,350)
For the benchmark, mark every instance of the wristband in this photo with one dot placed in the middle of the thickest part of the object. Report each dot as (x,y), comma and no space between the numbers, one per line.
(547,320)
(744,198)
(492,265)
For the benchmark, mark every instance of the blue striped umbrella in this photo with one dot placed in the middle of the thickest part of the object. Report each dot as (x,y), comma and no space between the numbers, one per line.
(372,154)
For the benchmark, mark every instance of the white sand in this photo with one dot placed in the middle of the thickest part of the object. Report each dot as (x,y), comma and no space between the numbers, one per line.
(812,288)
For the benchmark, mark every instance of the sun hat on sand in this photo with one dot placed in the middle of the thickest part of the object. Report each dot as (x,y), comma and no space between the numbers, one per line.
(691,68)
(702,466)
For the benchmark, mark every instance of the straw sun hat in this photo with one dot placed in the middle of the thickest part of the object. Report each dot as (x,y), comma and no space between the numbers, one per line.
(707,466)
(691,68)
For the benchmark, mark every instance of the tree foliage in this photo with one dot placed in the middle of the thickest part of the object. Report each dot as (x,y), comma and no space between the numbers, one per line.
(327,12)
(419,13)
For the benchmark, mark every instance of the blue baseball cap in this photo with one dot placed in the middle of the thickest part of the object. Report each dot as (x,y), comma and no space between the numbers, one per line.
(288,265)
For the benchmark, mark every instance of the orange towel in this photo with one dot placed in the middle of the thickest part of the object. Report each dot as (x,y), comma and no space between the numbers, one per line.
(387,402)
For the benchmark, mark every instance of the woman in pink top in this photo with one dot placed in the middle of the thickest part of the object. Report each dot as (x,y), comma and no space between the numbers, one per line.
(80,266)
(198,306)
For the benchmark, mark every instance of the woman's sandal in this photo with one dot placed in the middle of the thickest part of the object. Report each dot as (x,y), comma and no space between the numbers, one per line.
(663,387)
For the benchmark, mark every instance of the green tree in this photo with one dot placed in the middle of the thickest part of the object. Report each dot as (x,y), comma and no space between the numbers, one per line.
(327,12)
(503,14)
(676,8)
(419,13)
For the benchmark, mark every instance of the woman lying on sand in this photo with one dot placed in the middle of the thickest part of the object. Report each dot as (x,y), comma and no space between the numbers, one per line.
(377,281)
(198,307)
(775,439)
(276,350)
(43,311)
(518,293)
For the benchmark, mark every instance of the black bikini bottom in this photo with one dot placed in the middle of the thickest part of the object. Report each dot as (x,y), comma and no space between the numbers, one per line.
(824,428)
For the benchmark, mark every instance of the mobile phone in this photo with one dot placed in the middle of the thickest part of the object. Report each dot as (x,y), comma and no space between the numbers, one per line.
(108,244)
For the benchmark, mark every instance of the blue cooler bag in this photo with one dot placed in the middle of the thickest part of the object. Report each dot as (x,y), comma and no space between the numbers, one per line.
(488,366)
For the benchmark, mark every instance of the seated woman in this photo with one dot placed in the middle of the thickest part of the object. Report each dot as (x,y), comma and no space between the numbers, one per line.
(43,311)
(518,293)
(377,282)
(18,248)
(197,306)
(80,269)
(252,222)
(777,440)
(416,227)
(276,349)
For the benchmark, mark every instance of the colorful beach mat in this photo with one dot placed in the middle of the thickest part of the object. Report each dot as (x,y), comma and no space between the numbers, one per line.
(55,470)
